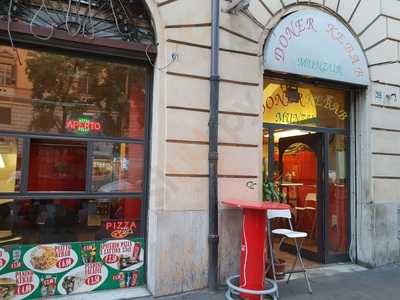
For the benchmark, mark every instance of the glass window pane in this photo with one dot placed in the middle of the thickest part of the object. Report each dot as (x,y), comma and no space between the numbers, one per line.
(7,76)
(118,167)
(68,220)
(64,94)
(305,105)
(57,166)
(338,194)
(10,164)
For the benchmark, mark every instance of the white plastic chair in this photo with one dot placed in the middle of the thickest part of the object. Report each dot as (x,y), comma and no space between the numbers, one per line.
(290,234)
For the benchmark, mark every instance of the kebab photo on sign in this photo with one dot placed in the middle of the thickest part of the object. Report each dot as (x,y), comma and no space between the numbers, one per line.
(7,288)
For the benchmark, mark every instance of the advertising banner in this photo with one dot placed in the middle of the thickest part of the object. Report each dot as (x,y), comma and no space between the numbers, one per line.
(32,272)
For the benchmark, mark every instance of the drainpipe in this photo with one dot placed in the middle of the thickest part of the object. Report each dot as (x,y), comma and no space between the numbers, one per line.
(213,237)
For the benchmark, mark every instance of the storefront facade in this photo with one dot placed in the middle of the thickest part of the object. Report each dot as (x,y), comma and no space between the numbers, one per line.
(128,139)
(314,68)
(75,132)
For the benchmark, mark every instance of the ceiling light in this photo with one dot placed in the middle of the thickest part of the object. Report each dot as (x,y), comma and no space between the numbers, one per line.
(2,164)
(292,93)
(288,133)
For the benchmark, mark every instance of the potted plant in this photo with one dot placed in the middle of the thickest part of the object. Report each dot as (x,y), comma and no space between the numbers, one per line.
(271,194)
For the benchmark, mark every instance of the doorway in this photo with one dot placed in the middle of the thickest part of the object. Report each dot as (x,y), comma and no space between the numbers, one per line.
(306,156)
(300,158)
(308,168)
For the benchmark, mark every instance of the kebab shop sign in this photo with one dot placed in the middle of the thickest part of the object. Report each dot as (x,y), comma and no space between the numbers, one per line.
(313,43)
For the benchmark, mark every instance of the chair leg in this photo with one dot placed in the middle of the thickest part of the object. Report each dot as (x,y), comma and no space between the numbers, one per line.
(281,242)
(314,226)
(310,233)
(272,258)
(298,249)
(292,269)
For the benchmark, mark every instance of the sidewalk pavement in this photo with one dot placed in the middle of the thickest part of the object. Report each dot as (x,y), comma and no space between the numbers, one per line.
(381,283)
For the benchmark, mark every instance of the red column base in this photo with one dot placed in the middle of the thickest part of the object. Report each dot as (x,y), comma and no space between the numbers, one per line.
(253,255)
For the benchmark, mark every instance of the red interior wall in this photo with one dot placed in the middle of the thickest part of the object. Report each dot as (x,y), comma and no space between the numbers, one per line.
(302,165)
(337,211)
(135,153)
(56,167)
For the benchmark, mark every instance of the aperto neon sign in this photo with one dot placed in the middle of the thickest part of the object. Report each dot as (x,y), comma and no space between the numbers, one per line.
(83,125)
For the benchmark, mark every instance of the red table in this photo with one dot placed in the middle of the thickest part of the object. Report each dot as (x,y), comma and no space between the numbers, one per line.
(253,256)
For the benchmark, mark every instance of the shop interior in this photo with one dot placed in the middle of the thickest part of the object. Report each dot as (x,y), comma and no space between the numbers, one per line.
(300,150)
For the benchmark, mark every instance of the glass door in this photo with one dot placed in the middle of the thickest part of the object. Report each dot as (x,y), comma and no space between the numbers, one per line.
(309,170)
(301,184)
(337,230)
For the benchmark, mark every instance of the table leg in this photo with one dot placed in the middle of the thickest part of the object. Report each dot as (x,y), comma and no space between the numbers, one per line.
(252,259)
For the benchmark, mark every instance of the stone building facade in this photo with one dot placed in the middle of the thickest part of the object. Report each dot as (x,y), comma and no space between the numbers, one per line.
(171,175)
(178,201)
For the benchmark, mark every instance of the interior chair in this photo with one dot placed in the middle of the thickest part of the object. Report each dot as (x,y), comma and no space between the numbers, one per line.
(311,209)
(287,233)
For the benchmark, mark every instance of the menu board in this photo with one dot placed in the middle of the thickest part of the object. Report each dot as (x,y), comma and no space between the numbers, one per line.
(31,272)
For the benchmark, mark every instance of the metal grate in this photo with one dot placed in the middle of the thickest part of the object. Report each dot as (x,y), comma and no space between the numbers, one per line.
(124,20)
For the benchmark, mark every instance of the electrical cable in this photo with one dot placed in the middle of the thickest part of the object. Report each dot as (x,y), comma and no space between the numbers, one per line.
(43,5)
(92,35)
(82,26)
(67,20)
(9,32)
(116,19)
(173,59)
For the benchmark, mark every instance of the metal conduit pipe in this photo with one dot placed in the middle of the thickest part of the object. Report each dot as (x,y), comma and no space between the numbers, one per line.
(213,238)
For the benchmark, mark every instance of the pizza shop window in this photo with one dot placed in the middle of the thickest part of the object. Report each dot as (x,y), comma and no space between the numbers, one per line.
(43,221)
(117,167)
(69,95)
(10,164)
(72,169)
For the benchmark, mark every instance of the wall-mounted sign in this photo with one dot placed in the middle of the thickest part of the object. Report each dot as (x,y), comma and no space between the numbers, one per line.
(83,125)
(313,43)
(385,95)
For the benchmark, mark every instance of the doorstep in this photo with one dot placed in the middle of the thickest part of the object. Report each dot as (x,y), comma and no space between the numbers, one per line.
(117,294)
(330,270)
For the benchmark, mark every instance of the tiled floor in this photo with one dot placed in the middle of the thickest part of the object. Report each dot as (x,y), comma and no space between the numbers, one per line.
(290,258)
